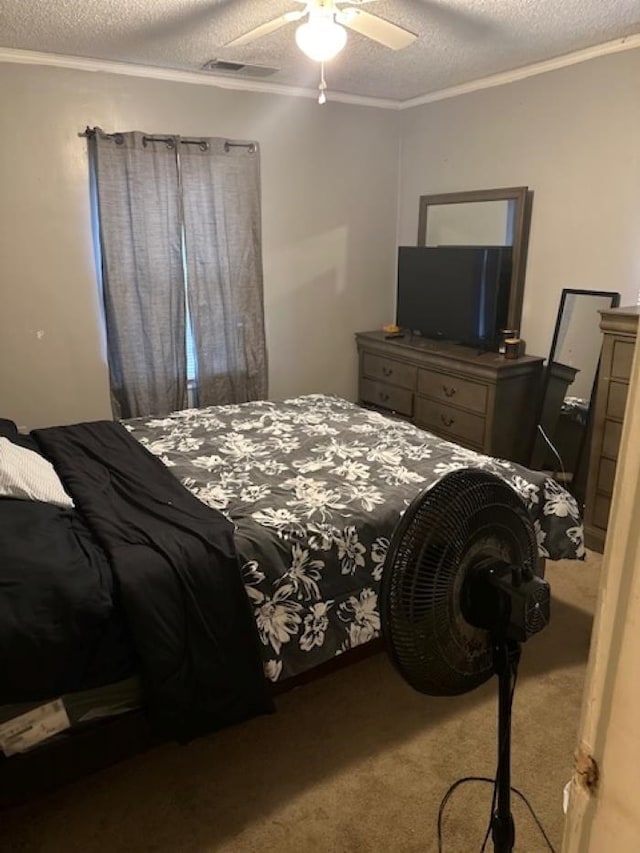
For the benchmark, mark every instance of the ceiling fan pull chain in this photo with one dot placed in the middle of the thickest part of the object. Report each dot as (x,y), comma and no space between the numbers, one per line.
(322,98)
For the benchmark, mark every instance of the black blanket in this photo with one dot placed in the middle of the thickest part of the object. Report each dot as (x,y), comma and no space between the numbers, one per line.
(61,626)
(176,566)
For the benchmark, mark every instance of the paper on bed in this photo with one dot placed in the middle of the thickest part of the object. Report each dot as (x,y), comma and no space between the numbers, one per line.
(26,731)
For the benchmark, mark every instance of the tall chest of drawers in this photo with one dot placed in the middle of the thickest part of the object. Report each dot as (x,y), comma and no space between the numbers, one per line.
(619,326)
(478,399)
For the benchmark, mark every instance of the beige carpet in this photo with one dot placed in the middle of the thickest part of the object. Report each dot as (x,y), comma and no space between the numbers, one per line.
(355,761)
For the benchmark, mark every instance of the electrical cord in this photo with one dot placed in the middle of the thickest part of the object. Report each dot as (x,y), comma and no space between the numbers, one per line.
(447,797)
(535,817)
(554,451)
(494,782)
(490,781)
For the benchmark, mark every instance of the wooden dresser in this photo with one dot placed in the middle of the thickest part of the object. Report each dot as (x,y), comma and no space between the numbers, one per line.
(478,399)
(619,326)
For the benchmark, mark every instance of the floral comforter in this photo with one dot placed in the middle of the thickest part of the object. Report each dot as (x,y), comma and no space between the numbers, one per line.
(315,486)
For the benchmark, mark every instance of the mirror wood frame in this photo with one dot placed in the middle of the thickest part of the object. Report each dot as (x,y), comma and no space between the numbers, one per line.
(522,198)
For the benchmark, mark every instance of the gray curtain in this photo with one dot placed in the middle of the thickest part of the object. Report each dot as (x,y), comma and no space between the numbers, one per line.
(137,190)
(221,206)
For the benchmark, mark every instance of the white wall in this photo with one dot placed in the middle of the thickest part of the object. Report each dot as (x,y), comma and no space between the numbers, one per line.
(331,216)
(329,178)
(573,137)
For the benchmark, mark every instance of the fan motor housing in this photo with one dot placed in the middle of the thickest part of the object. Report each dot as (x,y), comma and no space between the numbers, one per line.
(496,597)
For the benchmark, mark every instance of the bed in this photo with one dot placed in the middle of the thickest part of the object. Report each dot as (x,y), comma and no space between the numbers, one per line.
(308,490)
(314,487)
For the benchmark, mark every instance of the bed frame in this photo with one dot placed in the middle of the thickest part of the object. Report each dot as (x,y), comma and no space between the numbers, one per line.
(95,746)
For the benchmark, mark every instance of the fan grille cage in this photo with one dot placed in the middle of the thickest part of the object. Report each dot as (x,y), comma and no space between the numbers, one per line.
(465,516)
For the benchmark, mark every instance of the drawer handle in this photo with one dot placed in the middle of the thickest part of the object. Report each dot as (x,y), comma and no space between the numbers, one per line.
(387,371)
(447,420)
(449,390)
(384,396)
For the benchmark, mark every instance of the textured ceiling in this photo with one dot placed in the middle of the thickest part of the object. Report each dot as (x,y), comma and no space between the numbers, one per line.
(459,40)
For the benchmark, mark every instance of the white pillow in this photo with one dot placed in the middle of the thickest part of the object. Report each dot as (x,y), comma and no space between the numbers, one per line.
(25,474)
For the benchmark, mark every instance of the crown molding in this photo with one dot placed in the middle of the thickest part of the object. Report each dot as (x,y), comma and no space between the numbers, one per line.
(200,78)
(174,75)
(567,59)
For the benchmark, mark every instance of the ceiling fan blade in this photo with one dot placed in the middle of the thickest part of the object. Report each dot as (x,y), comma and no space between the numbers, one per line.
(265,29)
(373,27)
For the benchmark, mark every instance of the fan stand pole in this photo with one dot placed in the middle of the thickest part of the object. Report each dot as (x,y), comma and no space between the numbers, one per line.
(506,655)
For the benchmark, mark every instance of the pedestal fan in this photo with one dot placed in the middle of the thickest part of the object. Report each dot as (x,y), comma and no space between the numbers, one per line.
(459,595)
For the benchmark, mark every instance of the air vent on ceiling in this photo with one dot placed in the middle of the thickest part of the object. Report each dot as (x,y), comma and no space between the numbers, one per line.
(238,69)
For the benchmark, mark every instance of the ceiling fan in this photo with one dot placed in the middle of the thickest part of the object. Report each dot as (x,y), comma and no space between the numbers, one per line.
(323,35)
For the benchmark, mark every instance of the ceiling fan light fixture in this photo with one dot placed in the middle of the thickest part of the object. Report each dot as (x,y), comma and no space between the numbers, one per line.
(321,38)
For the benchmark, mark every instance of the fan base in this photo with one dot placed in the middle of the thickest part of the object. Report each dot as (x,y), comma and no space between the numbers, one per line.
(503,834)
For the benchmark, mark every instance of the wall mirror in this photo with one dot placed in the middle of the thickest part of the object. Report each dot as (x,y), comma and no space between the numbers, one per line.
(494,217)
(561,443)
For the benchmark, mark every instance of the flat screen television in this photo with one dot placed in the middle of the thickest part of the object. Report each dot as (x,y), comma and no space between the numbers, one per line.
(454,293)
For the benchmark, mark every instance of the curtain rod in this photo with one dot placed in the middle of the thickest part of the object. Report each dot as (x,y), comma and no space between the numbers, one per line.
(170,141)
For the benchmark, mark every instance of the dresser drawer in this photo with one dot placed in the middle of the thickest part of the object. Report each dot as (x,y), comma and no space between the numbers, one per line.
(389,370)
(386,396)
(622,359)
(611,439)
(446,420)
(617,400)
(449,389)
(601,508)
(606,476)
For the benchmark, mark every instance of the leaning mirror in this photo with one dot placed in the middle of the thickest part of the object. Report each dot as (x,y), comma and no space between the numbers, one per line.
(494,217)
(562,438)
